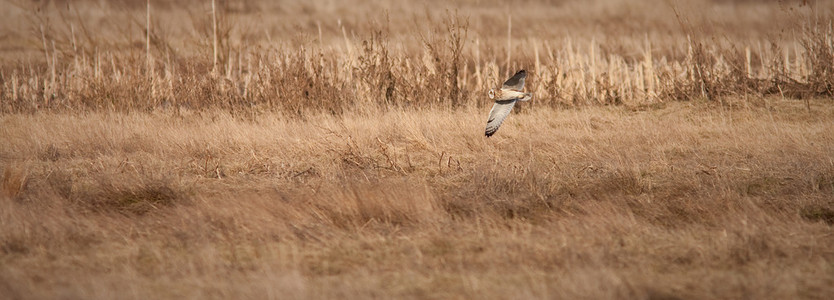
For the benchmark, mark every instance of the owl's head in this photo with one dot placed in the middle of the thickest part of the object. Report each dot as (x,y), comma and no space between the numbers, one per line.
(491,94)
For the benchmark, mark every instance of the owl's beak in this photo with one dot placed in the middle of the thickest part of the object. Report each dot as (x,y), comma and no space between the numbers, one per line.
(491,94)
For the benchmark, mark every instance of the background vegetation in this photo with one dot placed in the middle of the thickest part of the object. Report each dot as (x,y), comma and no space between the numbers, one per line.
(335,149)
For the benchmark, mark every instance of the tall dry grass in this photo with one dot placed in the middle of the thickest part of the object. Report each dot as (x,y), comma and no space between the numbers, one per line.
(683,201)
(444,59)
(295,149)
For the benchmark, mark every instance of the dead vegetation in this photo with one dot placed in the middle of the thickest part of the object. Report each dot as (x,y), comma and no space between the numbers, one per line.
(335,150)
(685,201)
(442,61)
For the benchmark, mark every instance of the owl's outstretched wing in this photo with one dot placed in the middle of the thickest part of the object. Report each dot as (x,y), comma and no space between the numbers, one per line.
(500,111)
(515,83)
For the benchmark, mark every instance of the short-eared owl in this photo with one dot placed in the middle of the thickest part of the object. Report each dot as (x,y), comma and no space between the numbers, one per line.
(505,99)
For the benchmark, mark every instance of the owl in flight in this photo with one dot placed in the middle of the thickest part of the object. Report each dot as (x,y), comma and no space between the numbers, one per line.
(505,99)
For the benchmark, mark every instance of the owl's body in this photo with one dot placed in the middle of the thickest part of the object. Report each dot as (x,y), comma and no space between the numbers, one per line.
(504,94)
(505,98)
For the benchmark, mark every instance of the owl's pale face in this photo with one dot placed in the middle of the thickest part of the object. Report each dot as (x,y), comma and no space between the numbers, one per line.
(491,94)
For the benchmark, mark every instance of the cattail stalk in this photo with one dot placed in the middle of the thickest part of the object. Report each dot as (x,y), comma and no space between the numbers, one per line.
(214,32)
(509,43)
(148,38)
(747,56)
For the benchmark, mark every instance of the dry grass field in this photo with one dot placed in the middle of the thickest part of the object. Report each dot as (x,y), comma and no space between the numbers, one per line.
(336,149)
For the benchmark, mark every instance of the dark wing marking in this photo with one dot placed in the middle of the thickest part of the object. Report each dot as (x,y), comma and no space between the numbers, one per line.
(500,111)
(516,82)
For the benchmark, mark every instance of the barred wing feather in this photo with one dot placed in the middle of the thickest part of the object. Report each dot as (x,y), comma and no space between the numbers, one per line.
(500,111)
(515,83)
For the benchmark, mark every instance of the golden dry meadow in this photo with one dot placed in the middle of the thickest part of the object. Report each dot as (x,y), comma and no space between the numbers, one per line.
(336,149)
